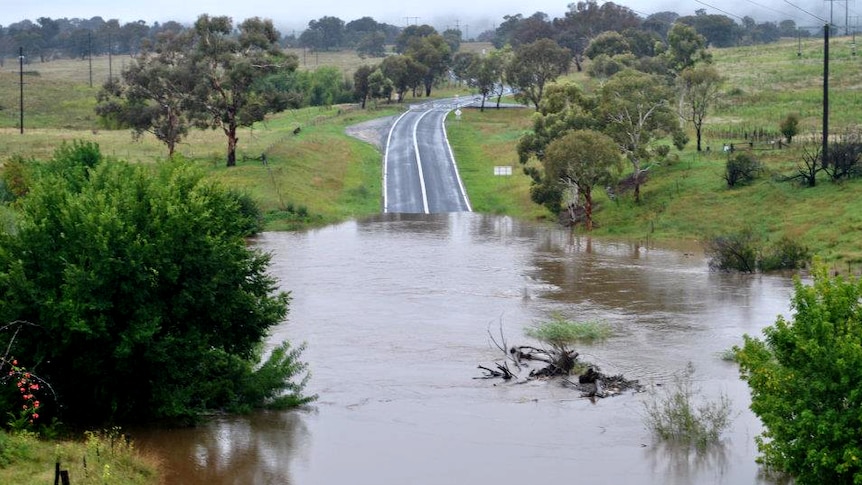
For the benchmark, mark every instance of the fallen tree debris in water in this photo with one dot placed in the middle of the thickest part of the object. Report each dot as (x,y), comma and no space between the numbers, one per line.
(559,362)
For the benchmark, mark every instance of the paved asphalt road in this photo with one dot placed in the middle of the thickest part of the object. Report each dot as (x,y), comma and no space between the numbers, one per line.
(420,174)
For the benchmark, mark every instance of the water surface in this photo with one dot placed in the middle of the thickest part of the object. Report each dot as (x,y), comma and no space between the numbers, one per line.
(397,310)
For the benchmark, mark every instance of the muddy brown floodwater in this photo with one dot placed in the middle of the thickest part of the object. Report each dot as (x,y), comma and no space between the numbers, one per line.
(396,311)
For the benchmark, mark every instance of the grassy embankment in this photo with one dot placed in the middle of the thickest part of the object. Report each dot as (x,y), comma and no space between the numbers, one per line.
(102,458)
(689,199)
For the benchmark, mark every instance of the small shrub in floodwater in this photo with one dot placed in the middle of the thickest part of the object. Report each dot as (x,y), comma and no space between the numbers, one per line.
(728,355)
(680,415)
(560,332)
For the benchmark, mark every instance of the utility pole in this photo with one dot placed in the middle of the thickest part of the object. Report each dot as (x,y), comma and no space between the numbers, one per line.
(825,149)
(110,60)
(415,20)
(21,83)
(90,55)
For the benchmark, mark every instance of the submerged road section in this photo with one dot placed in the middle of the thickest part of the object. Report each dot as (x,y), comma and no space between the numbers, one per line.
(420,175)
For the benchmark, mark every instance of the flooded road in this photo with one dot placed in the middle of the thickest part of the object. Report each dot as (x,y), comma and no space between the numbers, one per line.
(396,312)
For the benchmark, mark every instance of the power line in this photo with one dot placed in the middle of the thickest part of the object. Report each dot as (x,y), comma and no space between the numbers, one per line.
(805,11)
(720,10)
(772,9)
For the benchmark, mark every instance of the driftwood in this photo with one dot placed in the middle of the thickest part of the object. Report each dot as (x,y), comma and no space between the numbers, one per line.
(502,371)
(593,384)
(559,362)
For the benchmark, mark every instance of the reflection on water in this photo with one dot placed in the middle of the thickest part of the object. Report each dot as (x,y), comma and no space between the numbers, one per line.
(396,311)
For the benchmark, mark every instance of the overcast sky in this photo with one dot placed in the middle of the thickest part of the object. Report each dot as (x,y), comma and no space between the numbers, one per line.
(472,16)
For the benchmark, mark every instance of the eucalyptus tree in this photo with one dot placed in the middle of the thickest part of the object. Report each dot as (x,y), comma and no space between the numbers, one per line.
(462,63)
(433,52)
(580,161)
(535,65)
(564,109)
(501,58)
(404,72)
(700,88)
(635,108)
(154,94)
(485,73)
(229,68)
(411,32)
(686,47)
(326,33)
(361,89)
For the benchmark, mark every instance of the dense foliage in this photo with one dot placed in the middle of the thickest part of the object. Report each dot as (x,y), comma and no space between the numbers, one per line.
(747,252)
(806,383)
(145,299)
(741,169)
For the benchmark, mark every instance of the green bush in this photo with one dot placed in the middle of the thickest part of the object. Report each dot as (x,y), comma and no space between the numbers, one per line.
(785,254)
(789,126)
(147,301)
(741,169)
(744,251)
(679,414)
(15,446)
(805,378)
(738,252)
(680,139)
(844,160)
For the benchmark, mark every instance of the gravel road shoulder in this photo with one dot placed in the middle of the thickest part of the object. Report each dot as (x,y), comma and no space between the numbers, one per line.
(372,131)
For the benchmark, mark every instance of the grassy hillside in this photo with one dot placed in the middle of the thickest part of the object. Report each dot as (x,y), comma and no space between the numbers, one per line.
(688,198)
(323,175)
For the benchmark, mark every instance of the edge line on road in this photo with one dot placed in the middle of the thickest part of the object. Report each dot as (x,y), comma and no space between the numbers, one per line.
(386,162)
(419,162)
(454,163)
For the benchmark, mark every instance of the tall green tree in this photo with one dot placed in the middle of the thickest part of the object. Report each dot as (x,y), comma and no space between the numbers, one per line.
(700,88)
(372,44)
(484,75)
(685,47)
(580,161)
(608,43)
(461,64)
(228,69)
(434,53)
(154,94)
(325,33)
(500,58)
(361,89)
(535,65)
(636,109)
(564,109)
(404,72)
(805,378)
(146,300)
(410,34)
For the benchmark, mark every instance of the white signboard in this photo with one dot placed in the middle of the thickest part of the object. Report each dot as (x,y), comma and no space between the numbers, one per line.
(503,170)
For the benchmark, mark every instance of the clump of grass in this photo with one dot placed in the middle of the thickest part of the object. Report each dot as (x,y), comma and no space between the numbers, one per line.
(728,355)
(561,332)
(679,414)
(106,457)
